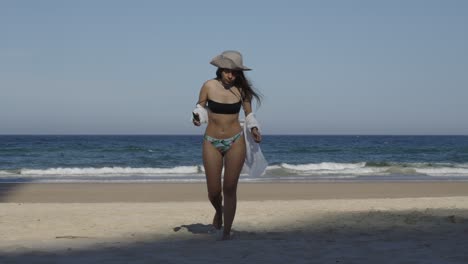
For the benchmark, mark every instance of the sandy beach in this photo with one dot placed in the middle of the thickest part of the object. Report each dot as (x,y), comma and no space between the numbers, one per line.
(372,222)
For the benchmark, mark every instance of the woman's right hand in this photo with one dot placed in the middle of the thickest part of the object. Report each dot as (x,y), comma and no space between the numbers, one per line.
(196,122)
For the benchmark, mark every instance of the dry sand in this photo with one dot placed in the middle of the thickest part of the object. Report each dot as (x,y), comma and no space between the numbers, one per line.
(275,223)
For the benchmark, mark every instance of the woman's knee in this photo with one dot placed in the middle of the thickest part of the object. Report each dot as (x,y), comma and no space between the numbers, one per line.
(215,194)
(229,189)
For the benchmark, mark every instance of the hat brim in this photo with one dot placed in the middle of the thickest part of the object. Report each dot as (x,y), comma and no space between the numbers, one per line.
(225,63)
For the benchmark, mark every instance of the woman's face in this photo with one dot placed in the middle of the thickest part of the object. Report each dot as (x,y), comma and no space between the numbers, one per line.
(228,76)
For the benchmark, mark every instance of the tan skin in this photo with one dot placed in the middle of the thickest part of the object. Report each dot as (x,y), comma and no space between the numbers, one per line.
(224,126)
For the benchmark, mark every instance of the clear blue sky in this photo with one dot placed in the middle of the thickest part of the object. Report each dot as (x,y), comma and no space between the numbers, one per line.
(324,67)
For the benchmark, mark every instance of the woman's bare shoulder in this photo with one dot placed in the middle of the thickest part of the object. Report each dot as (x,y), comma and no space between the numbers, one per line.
(210,83)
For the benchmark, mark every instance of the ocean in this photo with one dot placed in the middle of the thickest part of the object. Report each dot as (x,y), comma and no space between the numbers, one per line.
(291,158)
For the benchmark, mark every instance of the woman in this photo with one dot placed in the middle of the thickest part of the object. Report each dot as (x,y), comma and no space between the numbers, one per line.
(224,141)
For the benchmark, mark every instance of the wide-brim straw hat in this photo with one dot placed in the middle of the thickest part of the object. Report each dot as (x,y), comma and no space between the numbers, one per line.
(229,59)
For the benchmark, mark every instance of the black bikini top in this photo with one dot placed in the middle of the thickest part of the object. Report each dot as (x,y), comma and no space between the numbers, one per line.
(220,108)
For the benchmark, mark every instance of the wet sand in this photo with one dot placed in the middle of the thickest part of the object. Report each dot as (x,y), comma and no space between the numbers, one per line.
(165,192)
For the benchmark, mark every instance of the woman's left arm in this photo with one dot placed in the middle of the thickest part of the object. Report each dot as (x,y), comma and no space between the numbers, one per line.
(255,132)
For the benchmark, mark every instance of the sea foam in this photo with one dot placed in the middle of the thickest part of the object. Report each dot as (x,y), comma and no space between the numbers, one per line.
(111,171)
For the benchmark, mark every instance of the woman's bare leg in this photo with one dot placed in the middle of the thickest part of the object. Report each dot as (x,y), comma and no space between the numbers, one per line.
(233,162)
(213,163)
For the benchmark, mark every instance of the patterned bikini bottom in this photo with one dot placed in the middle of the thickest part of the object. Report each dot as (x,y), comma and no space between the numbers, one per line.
(223,145)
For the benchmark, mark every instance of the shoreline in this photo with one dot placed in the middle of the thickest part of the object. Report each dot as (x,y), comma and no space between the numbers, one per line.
(180,192)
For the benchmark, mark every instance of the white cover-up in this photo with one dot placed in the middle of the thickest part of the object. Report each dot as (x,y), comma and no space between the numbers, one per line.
(202,113)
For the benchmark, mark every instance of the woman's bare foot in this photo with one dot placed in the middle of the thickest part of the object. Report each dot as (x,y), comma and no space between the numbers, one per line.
(218,220)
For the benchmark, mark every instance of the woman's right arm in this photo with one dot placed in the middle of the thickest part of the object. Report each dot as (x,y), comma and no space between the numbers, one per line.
(203,96)
(202,99)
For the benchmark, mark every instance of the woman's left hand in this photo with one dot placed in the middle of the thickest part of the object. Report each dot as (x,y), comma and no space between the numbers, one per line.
(256,135)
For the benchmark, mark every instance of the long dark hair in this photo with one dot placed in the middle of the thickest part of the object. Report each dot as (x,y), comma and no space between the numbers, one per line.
(244,85)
